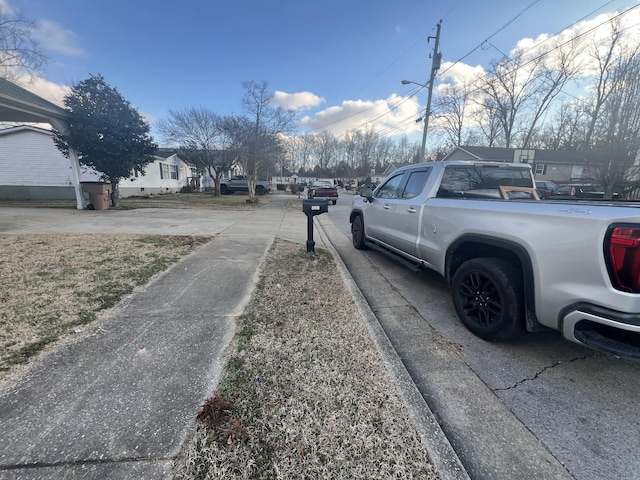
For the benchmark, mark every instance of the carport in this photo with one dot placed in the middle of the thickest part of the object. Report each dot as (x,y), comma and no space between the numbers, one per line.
(20,105)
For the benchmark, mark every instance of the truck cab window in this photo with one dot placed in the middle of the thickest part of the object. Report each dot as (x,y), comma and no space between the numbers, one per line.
(416,183)
(391,188)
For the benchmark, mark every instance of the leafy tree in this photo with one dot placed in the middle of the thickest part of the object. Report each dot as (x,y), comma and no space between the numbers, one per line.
(107,132)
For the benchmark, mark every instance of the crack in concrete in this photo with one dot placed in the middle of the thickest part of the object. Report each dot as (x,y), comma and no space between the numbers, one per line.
(544,369)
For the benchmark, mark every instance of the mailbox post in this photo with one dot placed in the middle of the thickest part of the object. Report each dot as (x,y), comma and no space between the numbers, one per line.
(311,208)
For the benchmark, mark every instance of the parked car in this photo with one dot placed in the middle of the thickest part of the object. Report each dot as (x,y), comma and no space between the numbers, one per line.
(323,189)
(546,188)
(239,183)
(578,191)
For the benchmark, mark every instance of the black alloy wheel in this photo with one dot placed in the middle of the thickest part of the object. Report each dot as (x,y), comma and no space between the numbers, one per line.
(357,233)
(488,297)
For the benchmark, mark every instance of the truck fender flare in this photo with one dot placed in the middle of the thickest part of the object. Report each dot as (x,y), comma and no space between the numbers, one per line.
(476,246)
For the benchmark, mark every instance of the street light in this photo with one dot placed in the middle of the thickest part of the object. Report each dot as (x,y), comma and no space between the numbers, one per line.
(426,116)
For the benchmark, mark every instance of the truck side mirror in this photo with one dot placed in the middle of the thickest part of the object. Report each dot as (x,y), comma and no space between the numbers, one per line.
(368,194)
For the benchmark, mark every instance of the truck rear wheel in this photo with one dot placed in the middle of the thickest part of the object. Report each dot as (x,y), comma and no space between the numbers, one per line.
(357,233)
(260,190)
(488,297)
(224,190)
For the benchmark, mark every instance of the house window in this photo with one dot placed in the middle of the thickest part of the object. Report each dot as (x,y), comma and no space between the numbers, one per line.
(576,172)
(174,172)
(164,171)
(541,168)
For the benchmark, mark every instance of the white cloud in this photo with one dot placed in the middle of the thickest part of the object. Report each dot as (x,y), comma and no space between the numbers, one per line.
(387,116)
(590,32)
(5,7)
(56,38)
(296,101)
(460,73)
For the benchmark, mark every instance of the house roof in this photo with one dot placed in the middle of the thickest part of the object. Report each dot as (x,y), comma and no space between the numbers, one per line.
(24,128)
(570,157)
(20,105)
(165,152)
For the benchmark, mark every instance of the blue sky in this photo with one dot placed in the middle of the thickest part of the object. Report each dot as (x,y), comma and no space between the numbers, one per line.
(330,59)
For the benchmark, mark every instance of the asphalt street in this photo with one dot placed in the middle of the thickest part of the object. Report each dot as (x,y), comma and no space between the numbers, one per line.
(580,404)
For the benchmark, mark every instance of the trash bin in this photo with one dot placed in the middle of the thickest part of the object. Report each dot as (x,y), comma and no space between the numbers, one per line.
(99,194)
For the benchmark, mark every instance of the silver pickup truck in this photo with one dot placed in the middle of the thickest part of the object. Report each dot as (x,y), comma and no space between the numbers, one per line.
(514,263)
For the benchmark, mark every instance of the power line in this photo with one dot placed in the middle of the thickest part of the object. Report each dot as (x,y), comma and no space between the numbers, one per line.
(422,38)
(481,45)
(517,66)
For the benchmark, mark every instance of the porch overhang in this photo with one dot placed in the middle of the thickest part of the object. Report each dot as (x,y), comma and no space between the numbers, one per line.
(22,106)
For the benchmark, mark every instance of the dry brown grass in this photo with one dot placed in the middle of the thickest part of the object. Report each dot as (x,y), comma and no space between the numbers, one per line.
(305,394)
(50,284)
(206,200)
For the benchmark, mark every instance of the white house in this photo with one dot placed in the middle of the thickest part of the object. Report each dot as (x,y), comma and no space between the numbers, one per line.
(33,168)
(168,173)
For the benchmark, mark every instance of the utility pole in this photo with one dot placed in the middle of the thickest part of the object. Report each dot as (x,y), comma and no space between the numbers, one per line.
(436,59)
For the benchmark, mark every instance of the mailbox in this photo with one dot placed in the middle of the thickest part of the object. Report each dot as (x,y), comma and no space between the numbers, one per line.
(311,208)
(315,206)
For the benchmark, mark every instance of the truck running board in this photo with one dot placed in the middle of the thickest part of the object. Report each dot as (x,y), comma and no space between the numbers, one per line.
(398,258)
(595,339)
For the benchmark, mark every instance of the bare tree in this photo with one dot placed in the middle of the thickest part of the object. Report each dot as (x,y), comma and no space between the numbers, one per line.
(269,124)
(554,71)
(605,54)
(617,132)
(506,94)
(202,138)
(568,128)
(19,52)
(449,113)
(365,149)
(301,148)
(487,121)
(404,152)
(325,152)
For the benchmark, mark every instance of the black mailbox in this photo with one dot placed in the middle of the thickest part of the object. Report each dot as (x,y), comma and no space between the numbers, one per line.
(311,208)
(315,206)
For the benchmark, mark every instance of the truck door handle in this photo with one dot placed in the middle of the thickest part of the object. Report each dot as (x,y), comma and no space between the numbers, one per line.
(387,207)
(411,210)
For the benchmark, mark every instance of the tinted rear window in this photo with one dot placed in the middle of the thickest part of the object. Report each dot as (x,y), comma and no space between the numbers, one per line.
(459,181)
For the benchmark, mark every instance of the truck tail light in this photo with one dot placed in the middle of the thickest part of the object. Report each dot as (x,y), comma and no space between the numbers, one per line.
(622,255)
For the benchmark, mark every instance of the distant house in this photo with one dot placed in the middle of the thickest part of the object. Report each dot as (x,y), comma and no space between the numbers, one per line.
(560,166)
(33,168)
(168,173)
